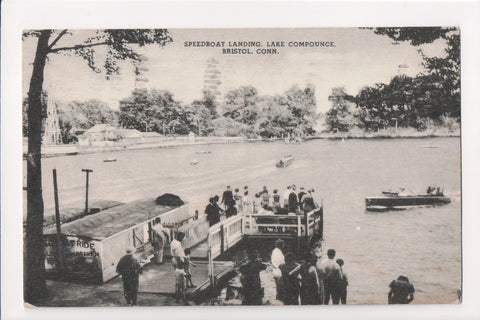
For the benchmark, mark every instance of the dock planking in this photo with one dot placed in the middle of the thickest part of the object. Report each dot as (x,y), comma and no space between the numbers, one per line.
(160,279)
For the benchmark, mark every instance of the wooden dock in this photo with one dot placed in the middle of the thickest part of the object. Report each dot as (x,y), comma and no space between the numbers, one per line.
(160,279)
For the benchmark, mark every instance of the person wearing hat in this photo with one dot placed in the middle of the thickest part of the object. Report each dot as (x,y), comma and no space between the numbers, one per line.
(250,279)
(401,291)
(129,268)
(331,276)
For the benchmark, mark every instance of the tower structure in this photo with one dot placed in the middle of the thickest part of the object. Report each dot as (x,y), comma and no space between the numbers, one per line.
(140,69)
(402,70)
(212,77)
(52,134)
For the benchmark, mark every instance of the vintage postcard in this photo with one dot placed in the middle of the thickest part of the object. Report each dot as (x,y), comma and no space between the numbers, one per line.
(246,166)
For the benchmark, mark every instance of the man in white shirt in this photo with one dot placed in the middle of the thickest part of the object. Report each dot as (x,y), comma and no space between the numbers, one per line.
(277,260)
(161,236)
(176,249)
(286,194)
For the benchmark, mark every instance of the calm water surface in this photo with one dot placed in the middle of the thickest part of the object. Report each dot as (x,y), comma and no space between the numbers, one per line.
(423,244)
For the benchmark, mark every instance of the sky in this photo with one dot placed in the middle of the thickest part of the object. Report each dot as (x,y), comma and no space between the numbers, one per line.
(359,58)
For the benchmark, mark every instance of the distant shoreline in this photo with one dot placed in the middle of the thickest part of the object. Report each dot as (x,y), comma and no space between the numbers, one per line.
(66,150)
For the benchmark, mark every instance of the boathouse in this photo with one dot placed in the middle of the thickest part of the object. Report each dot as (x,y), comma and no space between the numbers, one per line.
(90,247)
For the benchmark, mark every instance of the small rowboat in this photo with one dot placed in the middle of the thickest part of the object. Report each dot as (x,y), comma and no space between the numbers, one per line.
(194,162)
(110,160)
(285,161)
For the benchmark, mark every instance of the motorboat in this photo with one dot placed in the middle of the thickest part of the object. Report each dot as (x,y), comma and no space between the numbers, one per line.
(285,161)
(194,162)
(390,200)
(110,160)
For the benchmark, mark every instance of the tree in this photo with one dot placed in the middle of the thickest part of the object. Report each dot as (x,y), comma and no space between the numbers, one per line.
(120,45)
(303,107)
(443,72)
(340,116)
(240,105)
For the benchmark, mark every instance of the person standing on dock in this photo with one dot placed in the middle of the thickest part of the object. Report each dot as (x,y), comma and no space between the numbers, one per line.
(331,277)
(265,197)
(276,206)
(212,212)
(250,279)
(290,282)
(231,211)
(129,268)
(308,201)
(292,200)
(176,249)
(238,199)
(343,283)
(161,236)
(301,194)
(310,285)
(277,259)
(286,194)
(227,198)
(401,291)
(247,204)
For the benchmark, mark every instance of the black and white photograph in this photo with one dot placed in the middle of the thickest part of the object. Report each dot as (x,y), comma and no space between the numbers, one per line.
(218,167)
(242,166)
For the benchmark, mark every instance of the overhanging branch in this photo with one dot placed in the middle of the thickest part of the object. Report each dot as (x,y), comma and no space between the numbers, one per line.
(57,38)
(80,46)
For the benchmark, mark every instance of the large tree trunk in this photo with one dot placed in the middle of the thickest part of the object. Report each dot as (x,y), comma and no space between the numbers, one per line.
(34,273)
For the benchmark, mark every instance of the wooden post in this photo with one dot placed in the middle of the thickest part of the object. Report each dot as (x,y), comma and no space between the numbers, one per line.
(321,220)
(222,237)
(306,224)
(87,171)
(299,226)
(57,222)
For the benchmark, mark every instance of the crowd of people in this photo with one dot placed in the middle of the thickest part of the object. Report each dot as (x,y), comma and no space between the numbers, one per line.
(311,281)
(234,202)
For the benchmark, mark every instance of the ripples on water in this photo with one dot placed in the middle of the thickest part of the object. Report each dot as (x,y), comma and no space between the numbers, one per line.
(423,244)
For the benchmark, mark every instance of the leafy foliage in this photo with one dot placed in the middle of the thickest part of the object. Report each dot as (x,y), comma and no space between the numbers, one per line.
(340,116)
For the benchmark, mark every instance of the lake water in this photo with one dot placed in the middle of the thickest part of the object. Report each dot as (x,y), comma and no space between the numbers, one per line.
(423,244)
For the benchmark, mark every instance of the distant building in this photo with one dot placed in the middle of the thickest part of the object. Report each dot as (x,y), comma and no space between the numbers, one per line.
(105,135)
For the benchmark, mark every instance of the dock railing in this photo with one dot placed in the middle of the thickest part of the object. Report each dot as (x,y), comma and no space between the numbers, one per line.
(221,237)
(227,233)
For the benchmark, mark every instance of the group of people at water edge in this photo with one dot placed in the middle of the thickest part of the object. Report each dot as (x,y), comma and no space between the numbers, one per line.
(311,281)
(293,203)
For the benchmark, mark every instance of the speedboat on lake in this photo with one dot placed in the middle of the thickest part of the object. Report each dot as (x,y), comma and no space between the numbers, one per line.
(399,201)
(285,161)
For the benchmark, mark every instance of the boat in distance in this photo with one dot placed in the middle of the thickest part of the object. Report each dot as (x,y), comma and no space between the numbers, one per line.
(285,161)
(390,201)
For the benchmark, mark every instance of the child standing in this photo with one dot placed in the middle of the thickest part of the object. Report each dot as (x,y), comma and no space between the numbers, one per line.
(188,263)
(342,283)
(180,281)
